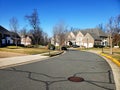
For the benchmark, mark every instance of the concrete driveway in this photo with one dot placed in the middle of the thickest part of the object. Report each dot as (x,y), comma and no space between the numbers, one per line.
(53,74)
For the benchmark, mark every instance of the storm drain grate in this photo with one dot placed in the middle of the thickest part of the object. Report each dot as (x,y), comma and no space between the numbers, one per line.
(76,79)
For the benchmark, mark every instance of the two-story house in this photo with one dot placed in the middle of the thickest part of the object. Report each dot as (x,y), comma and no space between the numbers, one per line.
(26,40)
(7,37)
(94,37)
(87,38)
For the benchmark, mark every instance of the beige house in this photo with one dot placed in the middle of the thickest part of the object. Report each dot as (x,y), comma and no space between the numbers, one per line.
(88,41)
(94,37)
(79,39)
(71,37)
(86,38)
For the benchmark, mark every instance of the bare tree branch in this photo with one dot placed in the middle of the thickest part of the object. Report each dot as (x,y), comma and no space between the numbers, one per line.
(14,28)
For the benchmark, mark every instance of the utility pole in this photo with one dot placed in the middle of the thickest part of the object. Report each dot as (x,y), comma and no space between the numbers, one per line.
(111,52)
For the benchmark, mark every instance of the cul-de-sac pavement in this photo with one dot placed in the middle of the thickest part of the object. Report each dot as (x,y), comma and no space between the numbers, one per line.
(53,73)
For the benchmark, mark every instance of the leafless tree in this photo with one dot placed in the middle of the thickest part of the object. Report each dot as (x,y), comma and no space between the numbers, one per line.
(59,33)
(110,30)
(116,34)
(116,39)
(34,22)
(23,31)
(37,36)
(45,39)
(101,27)
(113,28)
(117,24)
(14,28)
(55,32)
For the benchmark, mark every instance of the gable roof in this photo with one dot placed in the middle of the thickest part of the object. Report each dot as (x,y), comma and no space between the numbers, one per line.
(75,32)
(95,33)
(3,30)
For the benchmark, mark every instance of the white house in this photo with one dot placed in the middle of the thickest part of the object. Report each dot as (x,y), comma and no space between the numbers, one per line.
(26,40)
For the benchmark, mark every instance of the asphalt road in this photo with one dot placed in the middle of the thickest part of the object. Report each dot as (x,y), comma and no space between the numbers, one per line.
(53,74)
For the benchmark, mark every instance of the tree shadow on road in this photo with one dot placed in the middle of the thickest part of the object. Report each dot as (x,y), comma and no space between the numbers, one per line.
(49,80)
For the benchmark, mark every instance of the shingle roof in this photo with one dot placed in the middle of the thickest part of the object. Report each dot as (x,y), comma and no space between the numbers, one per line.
(95,33)
(75,32)
(3,30)
(14,34)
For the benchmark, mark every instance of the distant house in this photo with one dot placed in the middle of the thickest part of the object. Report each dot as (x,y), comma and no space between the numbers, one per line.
(7,37)
(26,40)
(88,41)
(55,41)
(79,38)
(87,38)
(94,37)
(71,37)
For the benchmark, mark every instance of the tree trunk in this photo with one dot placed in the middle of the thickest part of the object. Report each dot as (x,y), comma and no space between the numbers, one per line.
(111,44)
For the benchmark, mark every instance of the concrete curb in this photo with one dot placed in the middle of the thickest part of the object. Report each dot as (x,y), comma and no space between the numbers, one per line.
(115,68)
(112,59)
(116,72)
(21,60)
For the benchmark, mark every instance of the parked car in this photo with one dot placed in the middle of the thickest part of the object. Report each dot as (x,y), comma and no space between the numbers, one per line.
(75,46)
(63,48)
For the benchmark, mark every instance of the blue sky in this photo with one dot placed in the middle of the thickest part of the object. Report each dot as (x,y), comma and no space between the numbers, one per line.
(75,13)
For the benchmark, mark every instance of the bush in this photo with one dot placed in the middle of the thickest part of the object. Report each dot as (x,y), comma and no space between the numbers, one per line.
(75,46)
(67,46)
(99,46)
(70,43)
(30,46)
(119,44)
(51,47)
(63,48)
(22,45)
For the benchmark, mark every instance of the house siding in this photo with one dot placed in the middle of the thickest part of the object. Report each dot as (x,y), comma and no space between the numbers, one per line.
(71,37)
(88,41)
(87,38)
(79,39)
(26,40)
(7,37)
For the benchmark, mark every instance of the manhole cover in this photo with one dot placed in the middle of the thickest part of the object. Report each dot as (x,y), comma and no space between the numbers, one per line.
(75,79)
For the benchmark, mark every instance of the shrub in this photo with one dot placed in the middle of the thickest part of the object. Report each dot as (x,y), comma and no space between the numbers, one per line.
(67,46)
(99,46)
(57,47)
(51,47)
(63,48)
(119,44)
(30,46)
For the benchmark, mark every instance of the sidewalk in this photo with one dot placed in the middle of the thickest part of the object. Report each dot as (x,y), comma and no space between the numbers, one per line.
(19,60)
(115,69)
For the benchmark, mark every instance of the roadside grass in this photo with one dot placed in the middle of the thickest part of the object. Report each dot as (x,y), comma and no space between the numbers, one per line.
(116,51)
(24,50)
